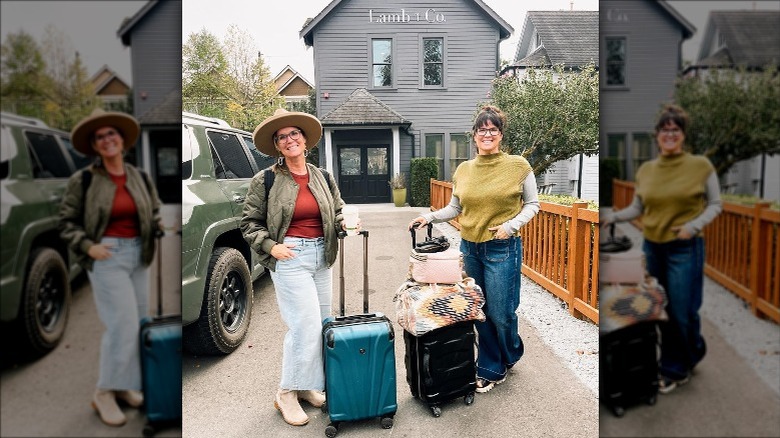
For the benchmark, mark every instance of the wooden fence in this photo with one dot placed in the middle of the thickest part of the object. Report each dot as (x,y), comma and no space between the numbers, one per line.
(742,251)
(560,250)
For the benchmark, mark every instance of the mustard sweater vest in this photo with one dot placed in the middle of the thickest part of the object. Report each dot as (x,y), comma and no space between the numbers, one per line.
(489,188)
(672,190)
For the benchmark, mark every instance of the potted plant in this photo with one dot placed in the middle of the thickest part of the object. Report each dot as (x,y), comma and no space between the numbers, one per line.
(398,184)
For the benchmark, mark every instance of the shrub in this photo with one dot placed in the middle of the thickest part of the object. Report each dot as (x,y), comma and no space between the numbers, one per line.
(422,170)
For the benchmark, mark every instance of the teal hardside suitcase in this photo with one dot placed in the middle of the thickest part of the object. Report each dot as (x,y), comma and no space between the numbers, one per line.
(359,357)
(161,349)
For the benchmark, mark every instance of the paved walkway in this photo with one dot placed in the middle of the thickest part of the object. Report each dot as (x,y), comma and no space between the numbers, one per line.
(734,391)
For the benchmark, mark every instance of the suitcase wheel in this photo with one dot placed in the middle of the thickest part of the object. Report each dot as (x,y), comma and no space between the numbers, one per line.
(386,422)
(651,401)
(436,411)
(618,411)
(469,398)
(332,430)
(148,430)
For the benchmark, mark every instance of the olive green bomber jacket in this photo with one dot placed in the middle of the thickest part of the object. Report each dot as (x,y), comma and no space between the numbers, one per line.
(264,223)
(83,218)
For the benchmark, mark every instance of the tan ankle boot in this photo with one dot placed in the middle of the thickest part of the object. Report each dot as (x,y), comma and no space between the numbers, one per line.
(104,402)
(286,401)
(314,398)
(134,399)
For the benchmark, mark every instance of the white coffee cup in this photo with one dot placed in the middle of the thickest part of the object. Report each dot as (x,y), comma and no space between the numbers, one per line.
(351,218)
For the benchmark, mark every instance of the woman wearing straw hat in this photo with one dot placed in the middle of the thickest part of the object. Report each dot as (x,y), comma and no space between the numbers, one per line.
(294,231)
(109,219)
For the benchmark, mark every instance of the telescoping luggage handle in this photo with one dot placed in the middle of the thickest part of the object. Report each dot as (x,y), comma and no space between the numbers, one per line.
(158,235)
(416,227)
(342,235)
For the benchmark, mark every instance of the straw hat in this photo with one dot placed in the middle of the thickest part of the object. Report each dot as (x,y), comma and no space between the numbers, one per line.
(81,135)
(264,133)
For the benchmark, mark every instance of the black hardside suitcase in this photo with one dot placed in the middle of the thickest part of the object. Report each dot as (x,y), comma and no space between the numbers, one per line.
(441,365)
(628,366)
(359,359)
(161,351)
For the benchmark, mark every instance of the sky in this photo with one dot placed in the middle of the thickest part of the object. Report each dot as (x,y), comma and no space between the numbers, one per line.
(91,27)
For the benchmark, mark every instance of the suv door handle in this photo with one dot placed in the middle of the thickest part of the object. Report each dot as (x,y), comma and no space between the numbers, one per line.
(238,199)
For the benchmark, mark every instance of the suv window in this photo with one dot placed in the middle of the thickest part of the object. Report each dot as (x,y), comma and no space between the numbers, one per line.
(261,159)
(79,160)
(186,153)
(230,153)
(47,158)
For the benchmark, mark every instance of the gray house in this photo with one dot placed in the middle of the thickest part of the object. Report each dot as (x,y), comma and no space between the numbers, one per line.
(747,39)
(571,39)
(154,35)
(398,81)
(641,58)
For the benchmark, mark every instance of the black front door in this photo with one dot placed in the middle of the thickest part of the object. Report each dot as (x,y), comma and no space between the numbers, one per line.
(364,174)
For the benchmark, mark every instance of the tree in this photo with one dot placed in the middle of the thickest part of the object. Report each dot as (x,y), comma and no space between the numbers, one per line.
(734,114)
(204,70)
(226,80)
(71,96)
(552,114)
(24,84)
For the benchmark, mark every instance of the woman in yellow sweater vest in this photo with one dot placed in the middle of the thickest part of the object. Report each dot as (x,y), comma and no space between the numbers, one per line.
(677,194)
(495,195)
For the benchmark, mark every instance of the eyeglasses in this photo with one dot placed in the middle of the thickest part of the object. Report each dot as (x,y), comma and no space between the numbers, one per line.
(492,131)
(673,131)
(105,135)
(292,135)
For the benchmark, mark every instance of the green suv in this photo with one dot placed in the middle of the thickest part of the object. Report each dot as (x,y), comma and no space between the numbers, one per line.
(36,266)
(218,267)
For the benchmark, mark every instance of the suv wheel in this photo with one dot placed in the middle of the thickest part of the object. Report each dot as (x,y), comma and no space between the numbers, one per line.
(46,301)
(227,305)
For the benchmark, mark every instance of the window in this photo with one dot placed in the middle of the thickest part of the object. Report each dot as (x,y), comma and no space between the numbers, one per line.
(382,62)
(641,149)
(79,160)
(616,149)
(616,61)
(433,62)
(434,147)
(261,159)
(187,136)
(47,157)
(230,160)
(459,151)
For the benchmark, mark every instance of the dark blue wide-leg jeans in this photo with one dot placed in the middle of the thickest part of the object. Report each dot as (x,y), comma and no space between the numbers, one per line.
(679,267)
(495,266)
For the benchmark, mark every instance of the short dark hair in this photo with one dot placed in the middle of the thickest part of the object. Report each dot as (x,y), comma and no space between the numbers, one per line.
(490,113)
(675,114)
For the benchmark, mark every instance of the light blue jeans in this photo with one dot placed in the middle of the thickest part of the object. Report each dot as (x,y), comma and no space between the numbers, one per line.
(120,288)
(303,291)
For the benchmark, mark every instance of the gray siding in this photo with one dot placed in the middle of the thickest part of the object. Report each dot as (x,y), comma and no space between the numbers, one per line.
(653,54)
(156,41)
(342,64)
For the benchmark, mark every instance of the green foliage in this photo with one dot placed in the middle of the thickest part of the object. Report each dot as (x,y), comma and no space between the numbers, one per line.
(422,170)
(46,81)
(552,115)
(227,79)
(567,200)
(748,200)
(735,114)
(609,168)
